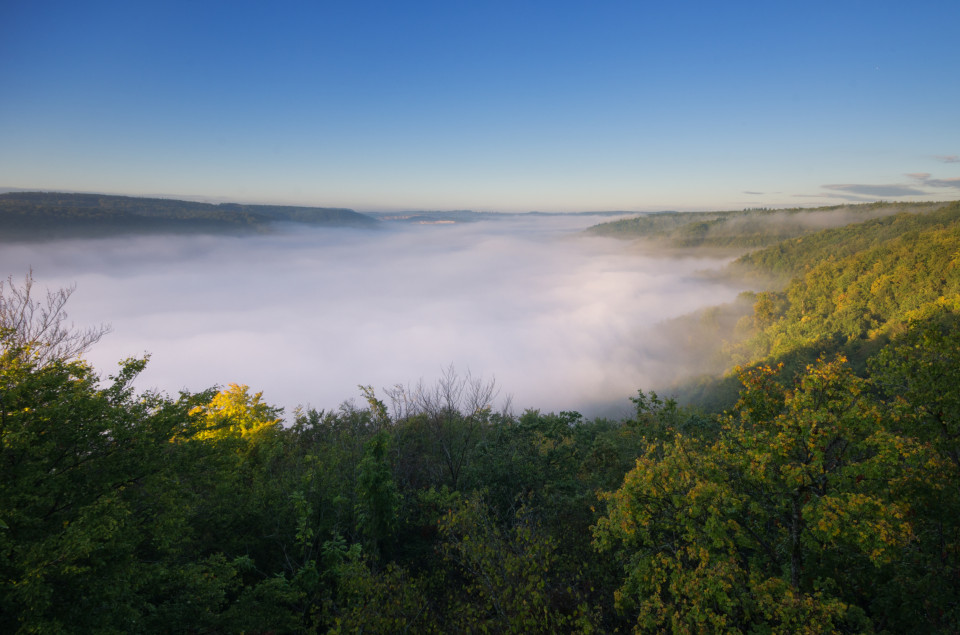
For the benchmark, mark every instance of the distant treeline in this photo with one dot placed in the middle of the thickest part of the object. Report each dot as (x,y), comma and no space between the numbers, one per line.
(471,216)
(51,215)
(749,228)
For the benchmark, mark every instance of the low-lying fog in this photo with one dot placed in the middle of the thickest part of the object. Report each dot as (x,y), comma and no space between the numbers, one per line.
(306,314)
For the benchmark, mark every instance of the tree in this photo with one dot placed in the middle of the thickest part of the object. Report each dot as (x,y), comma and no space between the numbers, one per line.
(917,377)
(39,328)
(98,496)
(452,413)
(778,524)
(235,413)
(818,474)
(80,467)
(377,499)
(509,579)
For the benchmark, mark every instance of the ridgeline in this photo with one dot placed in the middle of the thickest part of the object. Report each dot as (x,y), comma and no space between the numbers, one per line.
(38,216)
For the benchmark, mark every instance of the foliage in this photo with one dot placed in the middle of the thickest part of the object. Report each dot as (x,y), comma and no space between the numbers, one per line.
(377,499)
(49,216)
(855,288)
(748,228)
(234,414)
(508,584)
(730,535)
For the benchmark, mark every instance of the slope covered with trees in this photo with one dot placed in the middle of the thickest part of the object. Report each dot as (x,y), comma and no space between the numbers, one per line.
(49,215)
(749,228)
(824,498)
(852,288)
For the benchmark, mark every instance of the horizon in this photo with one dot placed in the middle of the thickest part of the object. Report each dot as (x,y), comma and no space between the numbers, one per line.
(217,200)
(503,108)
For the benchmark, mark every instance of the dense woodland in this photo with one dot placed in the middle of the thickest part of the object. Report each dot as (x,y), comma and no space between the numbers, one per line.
(748,228)
(51,215)
(813,488)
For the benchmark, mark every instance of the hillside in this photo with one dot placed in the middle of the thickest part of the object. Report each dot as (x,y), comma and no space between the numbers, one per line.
(751,228)
(854,287)
(843,290)
(49,216)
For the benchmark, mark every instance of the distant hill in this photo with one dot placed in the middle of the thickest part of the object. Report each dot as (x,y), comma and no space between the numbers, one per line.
(750,228)
(49,216)
(469,216)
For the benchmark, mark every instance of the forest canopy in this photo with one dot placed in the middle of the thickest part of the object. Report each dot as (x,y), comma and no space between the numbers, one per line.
(53,215)
(748,228)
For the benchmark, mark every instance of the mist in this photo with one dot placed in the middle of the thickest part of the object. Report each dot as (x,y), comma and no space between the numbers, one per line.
(561,321)
(816,219)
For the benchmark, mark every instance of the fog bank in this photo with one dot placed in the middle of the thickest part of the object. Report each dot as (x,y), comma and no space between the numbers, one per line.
(305,315)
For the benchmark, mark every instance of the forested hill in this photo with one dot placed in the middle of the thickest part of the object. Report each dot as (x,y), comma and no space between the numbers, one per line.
(852,288)
(50,215)
(749,228)
(791,257)
(847,289)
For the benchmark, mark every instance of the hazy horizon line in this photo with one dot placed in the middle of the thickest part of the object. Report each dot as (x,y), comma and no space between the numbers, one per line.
(220,199)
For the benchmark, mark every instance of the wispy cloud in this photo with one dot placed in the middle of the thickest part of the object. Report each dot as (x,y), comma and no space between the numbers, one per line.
(948,158)
(954,182)
(875,190)
(843,197)
(922,185)
(924,177)
(753,193)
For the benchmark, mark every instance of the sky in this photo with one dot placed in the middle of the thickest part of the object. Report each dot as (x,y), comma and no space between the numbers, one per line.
(509,106)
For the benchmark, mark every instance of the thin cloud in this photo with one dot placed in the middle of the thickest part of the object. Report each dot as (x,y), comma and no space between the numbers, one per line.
(954,182)
(753,193)
(842,197)
(875,190)
(924,177)
(948,158)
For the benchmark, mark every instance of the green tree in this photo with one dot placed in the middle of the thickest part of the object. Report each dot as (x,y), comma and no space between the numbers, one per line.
(509,583)
(77,462)
(377,498)
(917,378)
(768,525)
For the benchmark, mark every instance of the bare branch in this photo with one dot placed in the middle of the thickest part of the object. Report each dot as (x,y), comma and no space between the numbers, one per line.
(454,409)
(41,328)
(452,394)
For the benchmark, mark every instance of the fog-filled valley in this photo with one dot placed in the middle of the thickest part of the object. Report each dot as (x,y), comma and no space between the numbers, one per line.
(472,318)
(480,447)
(561,321)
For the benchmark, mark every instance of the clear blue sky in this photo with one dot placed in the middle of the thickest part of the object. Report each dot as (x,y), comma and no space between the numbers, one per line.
(485,105)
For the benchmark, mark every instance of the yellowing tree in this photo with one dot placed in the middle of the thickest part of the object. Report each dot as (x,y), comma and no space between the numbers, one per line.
(777,525)
(235,413)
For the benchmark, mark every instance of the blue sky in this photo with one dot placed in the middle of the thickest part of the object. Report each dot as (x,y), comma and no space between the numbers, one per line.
(485,105)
